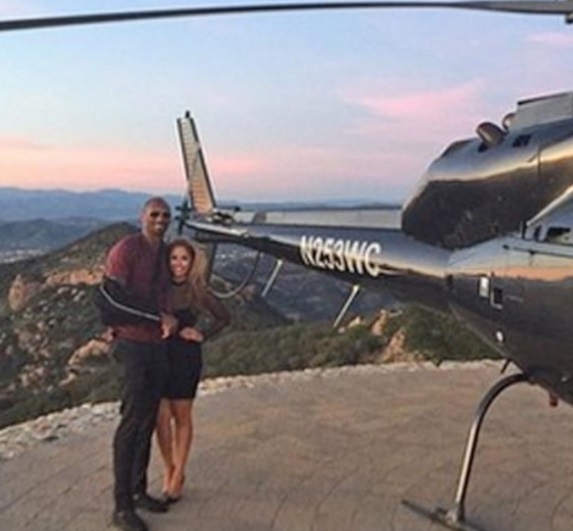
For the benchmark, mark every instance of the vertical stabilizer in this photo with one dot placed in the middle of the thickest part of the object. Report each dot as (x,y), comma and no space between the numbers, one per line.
(198,184)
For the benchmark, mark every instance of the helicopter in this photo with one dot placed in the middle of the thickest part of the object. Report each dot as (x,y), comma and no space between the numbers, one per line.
(487,236)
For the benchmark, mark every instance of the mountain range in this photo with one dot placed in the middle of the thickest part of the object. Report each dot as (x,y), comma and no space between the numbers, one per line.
(17,204)
(42,235)
(43,220)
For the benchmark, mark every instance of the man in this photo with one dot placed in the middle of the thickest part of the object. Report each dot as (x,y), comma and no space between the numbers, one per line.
(136,281)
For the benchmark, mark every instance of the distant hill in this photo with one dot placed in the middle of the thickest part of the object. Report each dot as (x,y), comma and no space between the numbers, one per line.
(44,220)
(18,204)
(44,235)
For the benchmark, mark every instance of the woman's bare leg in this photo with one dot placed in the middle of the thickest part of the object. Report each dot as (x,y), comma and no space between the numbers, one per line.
(165,440)
(182,413)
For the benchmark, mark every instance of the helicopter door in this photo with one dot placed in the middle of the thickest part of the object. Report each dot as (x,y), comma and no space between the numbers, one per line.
(477,282)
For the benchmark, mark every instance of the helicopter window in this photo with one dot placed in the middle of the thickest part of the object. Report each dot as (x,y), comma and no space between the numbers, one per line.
(521,141)
(497,298)
(560,235)
(483,287)
(537,233)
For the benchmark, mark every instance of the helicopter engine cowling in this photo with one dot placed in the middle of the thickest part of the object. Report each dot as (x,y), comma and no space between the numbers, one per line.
(489,186)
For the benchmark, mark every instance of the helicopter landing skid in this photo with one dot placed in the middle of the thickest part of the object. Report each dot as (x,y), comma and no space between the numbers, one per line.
(455,518)
(442,516)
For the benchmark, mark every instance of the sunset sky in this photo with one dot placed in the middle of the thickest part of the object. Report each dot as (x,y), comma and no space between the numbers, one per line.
(327,105)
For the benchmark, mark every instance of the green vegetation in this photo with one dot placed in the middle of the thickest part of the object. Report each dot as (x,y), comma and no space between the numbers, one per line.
(440,337)
(289,348)
(301,346)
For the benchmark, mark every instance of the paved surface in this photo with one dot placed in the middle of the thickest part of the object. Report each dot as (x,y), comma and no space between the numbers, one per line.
(325,454)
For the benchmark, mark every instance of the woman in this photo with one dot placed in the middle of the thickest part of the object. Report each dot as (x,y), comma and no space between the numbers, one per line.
(191,300)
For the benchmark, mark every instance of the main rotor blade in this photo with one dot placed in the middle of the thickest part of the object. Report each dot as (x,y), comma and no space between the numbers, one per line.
(539,7)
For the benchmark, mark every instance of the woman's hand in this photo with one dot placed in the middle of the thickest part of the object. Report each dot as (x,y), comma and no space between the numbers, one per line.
(168,325)
(191,334)
(107,335)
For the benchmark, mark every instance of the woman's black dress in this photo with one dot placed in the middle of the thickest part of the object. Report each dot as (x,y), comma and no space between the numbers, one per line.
(185,361)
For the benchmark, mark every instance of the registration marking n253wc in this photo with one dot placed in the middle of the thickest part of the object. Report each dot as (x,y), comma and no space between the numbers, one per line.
(338,254)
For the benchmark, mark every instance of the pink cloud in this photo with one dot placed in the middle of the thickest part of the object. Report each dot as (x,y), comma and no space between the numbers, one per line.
(280,171)
(85,168)
(408,127)
(285,170)
(403,104)
(30,164)
(411,126)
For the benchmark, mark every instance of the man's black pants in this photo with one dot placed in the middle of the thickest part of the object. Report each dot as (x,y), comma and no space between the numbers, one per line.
(143,369)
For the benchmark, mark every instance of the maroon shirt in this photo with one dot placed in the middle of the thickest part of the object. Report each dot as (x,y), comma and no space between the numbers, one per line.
(132,262)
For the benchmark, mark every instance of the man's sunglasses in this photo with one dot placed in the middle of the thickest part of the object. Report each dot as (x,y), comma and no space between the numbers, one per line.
(164,215)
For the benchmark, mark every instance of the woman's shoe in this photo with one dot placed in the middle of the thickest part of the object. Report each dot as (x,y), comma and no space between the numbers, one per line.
(174,497)
(167,473)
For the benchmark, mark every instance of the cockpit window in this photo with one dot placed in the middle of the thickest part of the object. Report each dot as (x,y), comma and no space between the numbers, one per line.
(483,287)
(559,235)
(521,141)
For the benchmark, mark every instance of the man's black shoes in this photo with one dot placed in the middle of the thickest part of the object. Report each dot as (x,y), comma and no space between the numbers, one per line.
(128,521)
(148,503)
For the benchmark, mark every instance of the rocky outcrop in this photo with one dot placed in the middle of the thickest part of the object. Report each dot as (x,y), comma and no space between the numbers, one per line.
(379,323)
(396,350)
(74,277)
(21,291)
(94,349)
(33,376)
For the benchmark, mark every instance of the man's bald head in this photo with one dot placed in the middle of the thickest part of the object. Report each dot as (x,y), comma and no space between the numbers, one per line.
(155,217)
(155,201)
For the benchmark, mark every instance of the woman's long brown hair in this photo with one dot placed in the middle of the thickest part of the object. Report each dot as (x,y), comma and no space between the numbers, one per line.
(196,285)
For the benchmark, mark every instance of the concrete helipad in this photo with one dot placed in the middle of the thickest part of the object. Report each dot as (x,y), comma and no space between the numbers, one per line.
(325,453)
